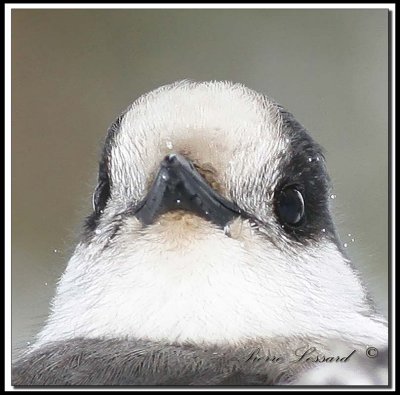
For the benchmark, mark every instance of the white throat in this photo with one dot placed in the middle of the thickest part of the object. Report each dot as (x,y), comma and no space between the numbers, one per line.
(217,290)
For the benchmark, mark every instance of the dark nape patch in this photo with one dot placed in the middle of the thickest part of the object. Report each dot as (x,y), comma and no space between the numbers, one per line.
(101,196)
(314,178)
(304,167)
(104,183)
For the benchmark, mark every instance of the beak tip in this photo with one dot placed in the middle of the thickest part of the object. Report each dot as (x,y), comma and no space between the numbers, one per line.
(164,174)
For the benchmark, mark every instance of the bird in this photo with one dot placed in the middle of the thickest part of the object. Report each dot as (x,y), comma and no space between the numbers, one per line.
(210,257)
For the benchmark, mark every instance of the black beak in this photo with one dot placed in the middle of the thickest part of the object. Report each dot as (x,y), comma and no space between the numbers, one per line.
(178,186)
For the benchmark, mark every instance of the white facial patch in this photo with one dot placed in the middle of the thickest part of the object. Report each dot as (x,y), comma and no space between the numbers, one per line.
(183,278)
(235,130)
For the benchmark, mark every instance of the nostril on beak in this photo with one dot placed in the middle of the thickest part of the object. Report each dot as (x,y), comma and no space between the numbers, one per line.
(170,159)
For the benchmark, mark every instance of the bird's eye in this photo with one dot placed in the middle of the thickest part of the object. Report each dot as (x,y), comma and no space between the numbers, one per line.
(290,206)
(100,196)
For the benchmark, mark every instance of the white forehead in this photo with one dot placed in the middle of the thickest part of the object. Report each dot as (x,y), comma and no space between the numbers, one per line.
(218,105)
(229,126)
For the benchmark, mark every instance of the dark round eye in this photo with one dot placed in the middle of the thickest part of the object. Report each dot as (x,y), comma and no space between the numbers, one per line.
(290,206)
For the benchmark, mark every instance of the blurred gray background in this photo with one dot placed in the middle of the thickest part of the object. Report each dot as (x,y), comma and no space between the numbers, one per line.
(74,71)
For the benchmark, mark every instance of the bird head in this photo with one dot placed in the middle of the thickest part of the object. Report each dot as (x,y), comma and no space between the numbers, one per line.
(210,223)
